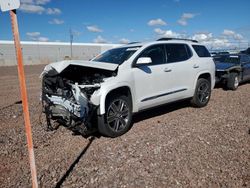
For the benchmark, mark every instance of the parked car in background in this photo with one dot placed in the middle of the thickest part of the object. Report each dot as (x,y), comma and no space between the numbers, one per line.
(232,69)
(223,53)
(213,54)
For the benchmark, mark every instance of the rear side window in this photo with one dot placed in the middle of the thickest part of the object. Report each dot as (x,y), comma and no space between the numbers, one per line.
(201,51)
(177,52)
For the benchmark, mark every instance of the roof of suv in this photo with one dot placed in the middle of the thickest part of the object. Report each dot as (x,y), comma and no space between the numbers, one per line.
(162,41)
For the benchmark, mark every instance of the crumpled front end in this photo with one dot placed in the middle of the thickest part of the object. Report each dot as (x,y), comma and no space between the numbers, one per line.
(66,96)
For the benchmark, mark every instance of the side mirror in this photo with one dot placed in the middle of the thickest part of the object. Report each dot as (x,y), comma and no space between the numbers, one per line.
(144,60)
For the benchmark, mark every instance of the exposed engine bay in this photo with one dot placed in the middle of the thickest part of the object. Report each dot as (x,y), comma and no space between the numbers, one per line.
(66,96)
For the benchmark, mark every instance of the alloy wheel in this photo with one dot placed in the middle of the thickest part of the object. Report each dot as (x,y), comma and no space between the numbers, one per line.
(236,82)
(118,115)
(204,92)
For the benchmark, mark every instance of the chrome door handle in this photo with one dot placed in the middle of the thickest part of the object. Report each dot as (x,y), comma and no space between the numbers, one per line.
(167,70)
(196,66)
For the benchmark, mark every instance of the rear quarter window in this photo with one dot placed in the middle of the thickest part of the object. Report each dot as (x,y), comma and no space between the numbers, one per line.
(201,51)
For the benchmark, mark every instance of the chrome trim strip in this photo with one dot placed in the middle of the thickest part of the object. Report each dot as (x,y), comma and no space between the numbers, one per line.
(164,94)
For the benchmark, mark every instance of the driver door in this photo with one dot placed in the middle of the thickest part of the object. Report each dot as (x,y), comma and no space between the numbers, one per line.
(150,79)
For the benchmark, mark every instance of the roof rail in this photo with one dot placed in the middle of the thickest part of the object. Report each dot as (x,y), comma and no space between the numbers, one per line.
(162,39)
(132,43)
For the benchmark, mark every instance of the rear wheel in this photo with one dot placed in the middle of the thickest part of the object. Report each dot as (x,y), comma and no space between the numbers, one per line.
(202,93)
(117,119)
(233,81)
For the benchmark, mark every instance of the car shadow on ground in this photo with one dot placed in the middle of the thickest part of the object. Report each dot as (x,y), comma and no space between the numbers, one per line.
(72,166)
(147,114)
(160,110)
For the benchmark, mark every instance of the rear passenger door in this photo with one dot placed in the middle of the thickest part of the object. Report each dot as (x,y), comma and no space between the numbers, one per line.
(180,71)
(203,62)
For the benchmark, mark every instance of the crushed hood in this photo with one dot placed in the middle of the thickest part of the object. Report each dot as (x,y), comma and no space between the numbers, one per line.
(60,66)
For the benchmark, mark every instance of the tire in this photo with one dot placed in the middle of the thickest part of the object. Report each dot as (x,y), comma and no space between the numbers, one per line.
(117,119)
(202,93)
(233,81)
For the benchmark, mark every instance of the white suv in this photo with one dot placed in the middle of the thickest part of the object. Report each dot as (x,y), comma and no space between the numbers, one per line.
(123,81)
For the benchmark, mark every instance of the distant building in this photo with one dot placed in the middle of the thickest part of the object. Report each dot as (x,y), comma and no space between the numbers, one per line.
(47,52)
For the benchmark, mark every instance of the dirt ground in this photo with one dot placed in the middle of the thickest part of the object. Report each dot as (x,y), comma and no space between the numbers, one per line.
(171,146)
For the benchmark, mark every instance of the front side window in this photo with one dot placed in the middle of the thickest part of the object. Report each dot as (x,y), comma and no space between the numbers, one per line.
(201,51)
(116,55)
(177,52)
(156,53)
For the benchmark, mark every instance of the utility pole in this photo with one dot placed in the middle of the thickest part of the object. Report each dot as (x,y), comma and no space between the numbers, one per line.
(71,41)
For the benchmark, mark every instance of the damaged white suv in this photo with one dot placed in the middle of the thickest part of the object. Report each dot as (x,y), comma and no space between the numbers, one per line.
(103,93)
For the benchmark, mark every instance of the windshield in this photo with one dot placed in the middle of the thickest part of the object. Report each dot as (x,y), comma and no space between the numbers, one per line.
(220,58)
(116,55)
(228,59)
(235,60)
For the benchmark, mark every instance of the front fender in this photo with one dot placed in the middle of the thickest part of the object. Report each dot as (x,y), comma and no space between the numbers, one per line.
(106,90)
(234,68)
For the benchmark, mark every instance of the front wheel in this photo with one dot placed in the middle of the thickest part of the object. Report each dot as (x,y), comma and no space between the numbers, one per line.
(202,93)
(117,119)
(233,81)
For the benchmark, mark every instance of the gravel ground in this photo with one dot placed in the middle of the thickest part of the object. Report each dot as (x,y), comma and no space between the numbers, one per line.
(171,146)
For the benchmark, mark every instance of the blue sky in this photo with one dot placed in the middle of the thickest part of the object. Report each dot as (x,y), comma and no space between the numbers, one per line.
(119,21)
